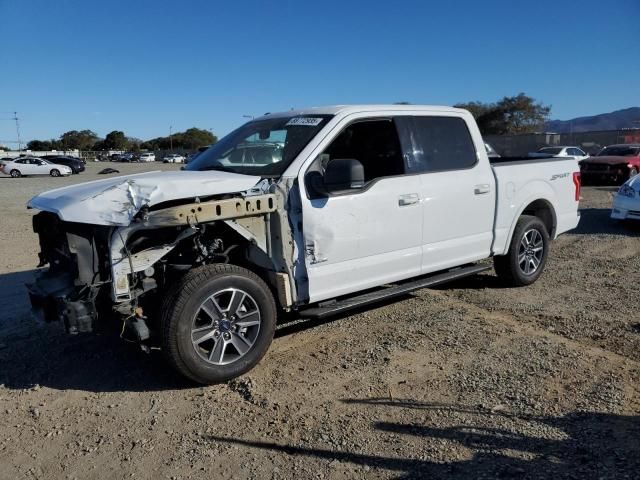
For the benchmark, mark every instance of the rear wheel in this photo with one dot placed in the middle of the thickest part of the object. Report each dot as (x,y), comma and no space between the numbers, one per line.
(55,173)
(15,173)
(218,324)
(527,255)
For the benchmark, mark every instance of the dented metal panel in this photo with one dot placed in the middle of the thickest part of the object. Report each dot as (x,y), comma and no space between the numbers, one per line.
(253,229)
(115,201)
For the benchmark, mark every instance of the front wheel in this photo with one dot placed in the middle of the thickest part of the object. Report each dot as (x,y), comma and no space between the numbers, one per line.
(218,323)
(55,173)
(527,255)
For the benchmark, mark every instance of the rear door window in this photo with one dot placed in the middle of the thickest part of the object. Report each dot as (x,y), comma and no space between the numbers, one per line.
(437,144)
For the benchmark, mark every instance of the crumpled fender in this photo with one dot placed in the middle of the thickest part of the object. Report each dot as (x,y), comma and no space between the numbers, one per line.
(116,200)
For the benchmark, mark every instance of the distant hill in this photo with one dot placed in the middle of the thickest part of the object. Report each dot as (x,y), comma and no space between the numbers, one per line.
(605,121)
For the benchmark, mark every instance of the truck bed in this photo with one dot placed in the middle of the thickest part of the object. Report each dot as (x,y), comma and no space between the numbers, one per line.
(523,180)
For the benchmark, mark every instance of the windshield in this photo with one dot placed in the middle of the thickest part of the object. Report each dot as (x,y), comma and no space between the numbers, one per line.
(619,151)
(262,147)
(550,150)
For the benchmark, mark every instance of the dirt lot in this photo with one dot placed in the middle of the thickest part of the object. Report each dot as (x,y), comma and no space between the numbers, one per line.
(470,380)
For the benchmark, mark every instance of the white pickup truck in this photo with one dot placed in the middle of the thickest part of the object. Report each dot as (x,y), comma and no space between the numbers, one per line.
(298,211)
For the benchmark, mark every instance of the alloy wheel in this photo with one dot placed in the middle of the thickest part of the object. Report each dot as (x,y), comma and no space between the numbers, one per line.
(530,251)
(225,326)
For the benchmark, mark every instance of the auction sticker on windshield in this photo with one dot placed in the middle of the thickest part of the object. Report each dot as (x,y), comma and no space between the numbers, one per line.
(304,121)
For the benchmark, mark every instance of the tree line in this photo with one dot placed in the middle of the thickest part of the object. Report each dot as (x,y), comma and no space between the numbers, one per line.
(510,115)
(190,139)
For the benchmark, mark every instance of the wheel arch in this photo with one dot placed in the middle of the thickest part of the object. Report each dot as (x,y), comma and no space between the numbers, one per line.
(543,209)
(539,207)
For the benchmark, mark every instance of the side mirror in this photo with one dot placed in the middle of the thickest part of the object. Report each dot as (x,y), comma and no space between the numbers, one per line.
(343,174)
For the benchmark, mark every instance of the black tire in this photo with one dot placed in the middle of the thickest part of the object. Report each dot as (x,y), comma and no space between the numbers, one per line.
(511,268)
(15,173)
(55,172)
(184,309)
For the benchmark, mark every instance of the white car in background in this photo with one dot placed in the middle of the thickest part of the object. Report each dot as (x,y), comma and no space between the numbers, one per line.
(25,166)
(173,158)
(561,152)
(147,157)
(626,203)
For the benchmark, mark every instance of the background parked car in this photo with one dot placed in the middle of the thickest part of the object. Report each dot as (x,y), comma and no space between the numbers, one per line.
(34,166)
(147,157)
(617,163)
(128,157)
(173,158)
(75,164)
(626,203)
(561,152)
(123,157)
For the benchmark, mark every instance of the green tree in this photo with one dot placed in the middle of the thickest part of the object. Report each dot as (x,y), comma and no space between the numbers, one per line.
(190,139)
(134,144)
(194,137)
(39,145)
(115,140)
(510,115)
(81,140)
(522,114)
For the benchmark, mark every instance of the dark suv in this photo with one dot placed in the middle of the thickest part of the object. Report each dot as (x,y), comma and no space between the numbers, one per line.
(75,164)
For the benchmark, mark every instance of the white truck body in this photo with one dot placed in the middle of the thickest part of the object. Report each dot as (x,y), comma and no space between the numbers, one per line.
(429,200)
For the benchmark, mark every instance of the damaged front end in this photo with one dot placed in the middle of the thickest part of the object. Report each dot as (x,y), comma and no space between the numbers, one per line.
(100,276)
(70,288)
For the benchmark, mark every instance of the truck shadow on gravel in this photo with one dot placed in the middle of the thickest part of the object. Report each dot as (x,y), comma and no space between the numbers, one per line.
(582,444)
(50,358)
(597,221)
(36,353)
(39,354)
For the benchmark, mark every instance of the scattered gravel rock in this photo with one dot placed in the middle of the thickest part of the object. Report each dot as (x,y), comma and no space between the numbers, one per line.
(469,380)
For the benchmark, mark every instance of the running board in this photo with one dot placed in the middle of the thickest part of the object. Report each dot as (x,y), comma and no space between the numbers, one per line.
(326,309)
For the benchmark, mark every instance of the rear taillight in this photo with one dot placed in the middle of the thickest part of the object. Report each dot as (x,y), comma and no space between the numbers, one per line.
(576,182)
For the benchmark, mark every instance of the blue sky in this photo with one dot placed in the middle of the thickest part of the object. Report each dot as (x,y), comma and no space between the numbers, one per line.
(141,66)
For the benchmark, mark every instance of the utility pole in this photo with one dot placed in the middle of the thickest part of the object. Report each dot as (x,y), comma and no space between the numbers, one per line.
(170,138)
(15,117)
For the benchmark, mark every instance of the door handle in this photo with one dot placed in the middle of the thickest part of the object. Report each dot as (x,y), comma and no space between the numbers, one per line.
(408,199)
(482,188)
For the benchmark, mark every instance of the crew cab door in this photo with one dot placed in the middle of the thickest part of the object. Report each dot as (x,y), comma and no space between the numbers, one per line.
(457,187)
(367,236)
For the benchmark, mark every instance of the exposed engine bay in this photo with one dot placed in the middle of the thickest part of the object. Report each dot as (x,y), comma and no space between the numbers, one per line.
(103,276)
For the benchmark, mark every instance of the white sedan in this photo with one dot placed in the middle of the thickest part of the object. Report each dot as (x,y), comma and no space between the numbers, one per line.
(561,152)
(173,158)
(626,203)
(147,157)
(34,166)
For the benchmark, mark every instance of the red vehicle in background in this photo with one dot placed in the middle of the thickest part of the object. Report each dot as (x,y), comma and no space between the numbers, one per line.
(615,163)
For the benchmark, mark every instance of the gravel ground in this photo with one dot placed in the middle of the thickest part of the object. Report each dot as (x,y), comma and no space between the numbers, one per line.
(469,380)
